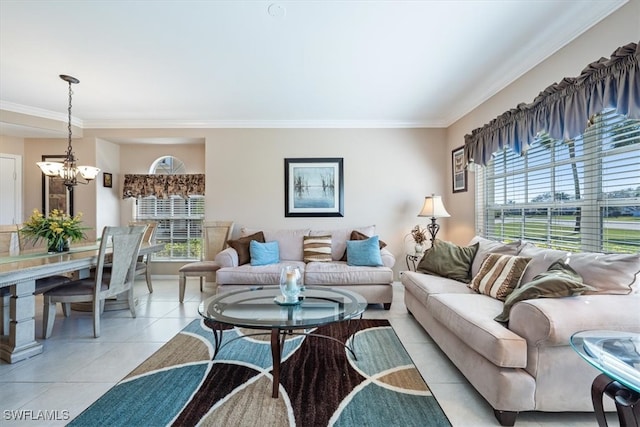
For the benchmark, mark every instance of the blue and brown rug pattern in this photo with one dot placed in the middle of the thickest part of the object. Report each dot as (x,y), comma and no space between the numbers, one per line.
(321,384)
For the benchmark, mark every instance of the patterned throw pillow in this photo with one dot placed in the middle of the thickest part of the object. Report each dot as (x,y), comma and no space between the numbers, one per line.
(317,248)
(559,280)
(499,275)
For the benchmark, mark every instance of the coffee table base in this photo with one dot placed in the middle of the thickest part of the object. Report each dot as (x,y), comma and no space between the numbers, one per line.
(278,337)
(627,401)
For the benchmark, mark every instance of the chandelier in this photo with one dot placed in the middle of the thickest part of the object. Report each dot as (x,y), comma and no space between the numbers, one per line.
(68,170)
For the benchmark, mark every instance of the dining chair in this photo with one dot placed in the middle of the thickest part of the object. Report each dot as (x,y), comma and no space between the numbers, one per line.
(11,243)
(143,264)
(216,234)
(123,245)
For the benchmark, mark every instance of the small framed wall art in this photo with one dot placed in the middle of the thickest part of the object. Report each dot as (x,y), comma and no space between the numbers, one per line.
(107,180)
(313,187)
(458,171)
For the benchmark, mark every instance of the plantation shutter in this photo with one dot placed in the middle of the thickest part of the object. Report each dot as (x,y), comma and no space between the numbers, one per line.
(576,195)
(179,224)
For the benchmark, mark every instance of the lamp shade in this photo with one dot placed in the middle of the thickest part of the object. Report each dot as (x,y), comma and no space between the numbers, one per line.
(433,207)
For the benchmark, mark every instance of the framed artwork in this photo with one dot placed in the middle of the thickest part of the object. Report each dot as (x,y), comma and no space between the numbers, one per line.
(313,187)
(458,171)
(107,180)
(54,194)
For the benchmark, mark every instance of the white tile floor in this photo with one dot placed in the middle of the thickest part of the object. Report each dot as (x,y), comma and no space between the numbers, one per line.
(75,368)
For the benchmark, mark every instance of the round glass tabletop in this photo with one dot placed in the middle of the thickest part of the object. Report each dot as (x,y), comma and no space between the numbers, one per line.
(259,308)
(614,353)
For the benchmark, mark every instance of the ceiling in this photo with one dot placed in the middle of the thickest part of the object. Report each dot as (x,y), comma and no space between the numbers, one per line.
(179,64)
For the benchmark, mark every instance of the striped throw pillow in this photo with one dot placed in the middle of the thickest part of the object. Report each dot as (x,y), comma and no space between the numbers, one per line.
(317,248)
(499,275)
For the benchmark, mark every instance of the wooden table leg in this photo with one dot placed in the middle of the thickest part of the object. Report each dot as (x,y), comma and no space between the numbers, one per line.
(276,354)
(627,401)
(21,342)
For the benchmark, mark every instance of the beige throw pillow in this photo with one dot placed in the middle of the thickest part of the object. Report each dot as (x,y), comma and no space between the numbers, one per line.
(499,275)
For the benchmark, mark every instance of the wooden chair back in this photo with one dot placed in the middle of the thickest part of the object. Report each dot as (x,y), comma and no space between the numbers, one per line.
(216,234)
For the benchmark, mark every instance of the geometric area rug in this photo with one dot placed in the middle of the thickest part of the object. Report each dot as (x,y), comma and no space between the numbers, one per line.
(320,383)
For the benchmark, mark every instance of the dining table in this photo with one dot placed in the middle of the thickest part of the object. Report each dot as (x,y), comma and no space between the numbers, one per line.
(20,272)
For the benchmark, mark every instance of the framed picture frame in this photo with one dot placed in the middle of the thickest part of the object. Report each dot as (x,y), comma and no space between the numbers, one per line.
(107,180)
(313,187)
(458,170)
(54,194)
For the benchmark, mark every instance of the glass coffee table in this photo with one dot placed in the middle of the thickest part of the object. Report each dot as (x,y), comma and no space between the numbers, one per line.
(617,355)
(261,308)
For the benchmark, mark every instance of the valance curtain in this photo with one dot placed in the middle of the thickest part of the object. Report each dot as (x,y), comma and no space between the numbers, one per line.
(163,186)
(563,109)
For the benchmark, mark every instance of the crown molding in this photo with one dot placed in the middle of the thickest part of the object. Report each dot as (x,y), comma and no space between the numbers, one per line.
(40,113)
(257,124)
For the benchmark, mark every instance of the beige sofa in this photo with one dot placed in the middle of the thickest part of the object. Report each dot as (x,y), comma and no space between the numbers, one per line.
(372,282)
(527,364)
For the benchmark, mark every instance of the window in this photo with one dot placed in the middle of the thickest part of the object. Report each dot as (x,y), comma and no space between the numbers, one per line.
(577,195)
(179,218)
(179,225)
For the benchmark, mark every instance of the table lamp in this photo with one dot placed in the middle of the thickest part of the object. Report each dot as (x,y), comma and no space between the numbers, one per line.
(433,208)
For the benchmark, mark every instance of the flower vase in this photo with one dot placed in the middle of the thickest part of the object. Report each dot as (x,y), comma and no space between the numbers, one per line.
(419,249)
(57,246)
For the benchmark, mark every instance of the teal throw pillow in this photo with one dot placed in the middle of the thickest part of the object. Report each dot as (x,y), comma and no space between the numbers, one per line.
(364,252)
(264,253)
(559,280)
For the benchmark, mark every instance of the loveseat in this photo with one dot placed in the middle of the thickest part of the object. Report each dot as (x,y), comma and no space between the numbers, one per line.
(524,361)
(321,256)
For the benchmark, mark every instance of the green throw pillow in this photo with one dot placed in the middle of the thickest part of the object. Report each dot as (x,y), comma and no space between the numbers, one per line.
(559,280)
(448,260)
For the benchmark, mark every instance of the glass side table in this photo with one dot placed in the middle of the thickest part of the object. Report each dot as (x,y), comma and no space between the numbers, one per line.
(617,355)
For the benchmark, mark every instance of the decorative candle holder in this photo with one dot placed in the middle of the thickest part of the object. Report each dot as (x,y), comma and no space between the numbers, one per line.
(290,283)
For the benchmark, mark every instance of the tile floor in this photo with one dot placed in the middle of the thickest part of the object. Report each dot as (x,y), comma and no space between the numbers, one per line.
(75,369)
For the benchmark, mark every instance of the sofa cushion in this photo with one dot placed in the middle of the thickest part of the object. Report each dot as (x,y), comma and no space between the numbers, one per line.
(608,274)
(289,241)
(422,285)
(254,275)
(541,259)
(559,280)
(264,253)
(446,259)
(364,252)
(317,248)
(470,318)
(499,275)
(241,246)
(339,273)
(339,237)
(487,247)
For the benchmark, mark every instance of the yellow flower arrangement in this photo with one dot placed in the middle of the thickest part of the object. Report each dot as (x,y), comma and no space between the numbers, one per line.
(57,228)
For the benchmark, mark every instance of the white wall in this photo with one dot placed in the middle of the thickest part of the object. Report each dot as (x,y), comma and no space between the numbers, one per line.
(387,173)
(107,202)
(619,29)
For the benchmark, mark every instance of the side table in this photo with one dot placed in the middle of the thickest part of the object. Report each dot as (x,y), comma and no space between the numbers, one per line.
(412,260)
(617,355)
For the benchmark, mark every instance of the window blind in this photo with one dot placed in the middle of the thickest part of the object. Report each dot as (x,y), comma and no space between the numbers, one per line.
(179,225)
(577,195)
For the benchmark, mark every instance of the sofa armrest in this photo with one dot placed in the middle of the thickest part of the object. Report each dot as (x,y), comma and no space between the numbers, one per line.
(227,258)
(388,260)
(552,321)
